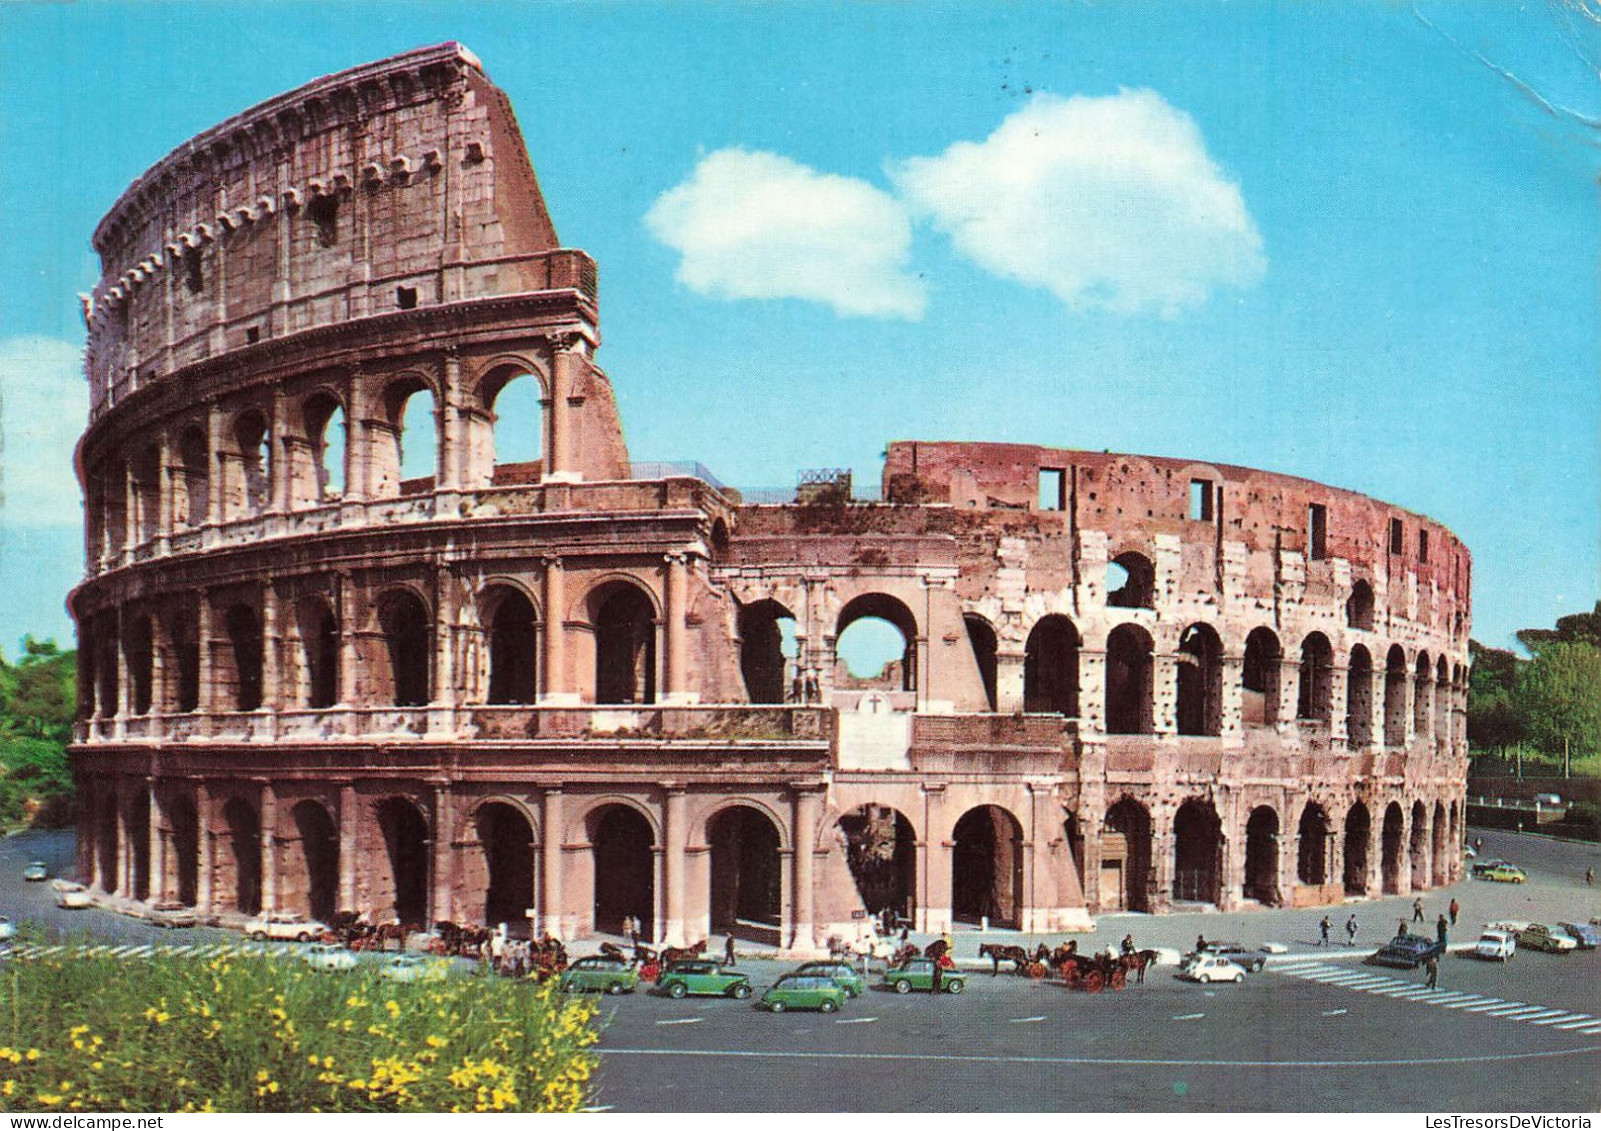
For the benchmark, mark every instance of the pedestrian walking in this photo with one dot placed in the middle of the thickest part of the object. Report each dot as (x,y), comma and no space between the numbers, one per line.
(1439,929)
(1589,876)
(1433,968)
(1478,845)
(1417,911)
(1455,907)
(1400,928)
(1350,931)
(1323,929)
(728,951)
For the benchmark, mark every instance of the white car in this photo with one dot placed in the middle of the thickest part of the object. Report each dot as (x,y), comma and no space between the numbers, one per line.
(73,897)
(1537,936)
(328,956)
(1211,968)
(284,925)
(8,929)
(1496,944)
(414,968)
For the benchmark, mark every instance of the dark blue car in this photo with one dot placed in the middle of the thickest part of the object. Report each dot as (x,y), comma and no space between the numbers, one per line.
(1406,952)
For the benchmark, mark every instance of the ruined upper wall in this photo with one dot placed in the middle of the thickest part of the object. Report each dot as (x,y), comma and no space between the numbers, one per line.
(398,184)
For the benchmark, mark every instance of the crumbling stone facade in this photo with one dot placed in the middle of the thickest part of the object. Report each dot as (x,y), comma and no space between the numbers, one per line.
(564,692)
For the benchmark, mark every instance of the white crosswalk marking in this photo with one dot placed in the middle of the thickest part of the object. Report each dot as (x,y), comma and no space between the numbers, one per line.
(1495,1005)
(1560,1015)
(1579,1024)
(1401,989)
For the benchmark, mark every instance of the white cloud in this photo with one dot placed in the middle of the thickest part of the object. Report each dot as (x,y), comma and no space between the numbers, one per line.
(758,225)
(1107,202)
(44,406)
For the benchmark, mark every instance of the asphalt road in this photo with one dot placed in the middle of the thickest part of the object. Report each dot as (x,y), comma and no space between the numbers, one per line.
(1317,1031)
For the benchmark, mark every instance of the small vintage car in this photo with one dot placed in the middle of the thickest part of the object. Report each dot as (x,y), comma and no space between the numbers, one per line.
(328,956)
(849,978)
(1406,952)
(284,926)
(1206,968)
(73,897)
(1496,943)
(701,977)
(36,872)
(1585,934)
(1506,874)
(804,991)
(170,913)
(599,974)
(414,968)
(918,974)
(1252,961)
(1537,936)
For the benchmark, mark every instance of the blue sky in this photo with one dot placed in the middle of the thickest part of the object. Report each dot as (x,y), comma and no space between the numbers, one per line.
(1353,242)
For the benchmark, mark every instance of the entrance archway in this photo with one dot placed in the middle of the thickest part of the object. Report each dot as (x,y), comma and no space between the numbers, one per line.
(106,845)
(747,881)
(1358,831)
(881,849)
(1419,843)
(185,824)
(319,858)
(244,852)
(1390,851)
(1050,667)
(1312,859)
(1197,852)
(1262,856)
(987,867)
(1126,858)
(139,843)
(625,646)
(406,842)
(508,844)
(625,870)
(512,668)
(763,660)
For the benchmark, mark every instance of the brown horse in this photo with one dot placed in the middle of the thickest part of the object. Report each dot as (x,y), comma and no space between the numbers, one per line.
(679,953)
(1138,961)
(998,954)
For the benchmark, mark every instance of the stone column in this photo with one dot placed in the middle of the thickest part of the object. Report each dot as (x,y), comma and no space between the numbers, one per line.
(566,362)
(349,654)
(552,827)
(804,899)
(1164,693)
(217,479)
(348,819)
(269,848)
(279,473)
(161,694)
(675,862)
(1009,661)
(130,510)
(203,866)
(553,665)
(676,678)
(358,453)
(271,660)
(1289,695)
(164,491)
(158,846)
(1339,674)
(933,863)
(449,455)
(442,689)
(1232,706)
(1092,691)
(444,875)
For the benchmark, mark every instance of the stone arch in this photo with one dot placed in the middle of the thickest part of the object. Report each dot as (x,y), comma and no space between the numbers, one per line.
(1358,836)
(1391,840)
(252,440)
(1418,843)
(1441,859)
(1423,697)
(107,844)
(1131,581)
(1395,697)
(622,846)
(138,645)
(624,616)
(882,607)
(1262,856)
(1197,852)
(1129,706)
(240,868)
(1126,857)
(881,852)
(1259,677)
(244,671)
(194,469)
(406,840)
(505,832)
(137,820)
(1050,667)
(1359,607)
(1442,700)
(183,632)
(1312,854)
(511,623)
(746,878)
(1359,699)
(184,820)
(321,413)
(145,479)
(319,650)
(408,635)
(1316,687)
(766,669)
(1199,681)
(406,452)
(517,430)
(987,867)
(982,640)
(316,878)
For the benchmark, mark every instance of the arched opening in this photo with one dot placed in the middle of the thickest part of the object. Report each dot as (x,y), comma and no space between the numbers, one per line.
(1262,856)
(1126,858)
(625,872)
(406,843)
(185,824)
(1073,834)
(508,843)
(1312,858)
(242,856)
(194,464)
(1423,698)
(876,645)
(406,456)
(1197,853)
(1442,701)
(244,640)
(185,635)
(1200,681)
(1358,832)
(139,843)
(767,652)
(1419,844)
(987,868)
(106,844)
(747,883)
(106,665)
(1128,681)
(141,663)
(1438,872)
(325,433)
(625,645)
(248,495)
(408,643)
(319,859)
(1359,699)
(512,398)
(1259,676)
(1390,849)
(1395,697)
(981,638)
(1359,607)
(881,849)
(319,645)
(1130,581)
(144,472)
(1050,667)
(1317,678)
(513,647)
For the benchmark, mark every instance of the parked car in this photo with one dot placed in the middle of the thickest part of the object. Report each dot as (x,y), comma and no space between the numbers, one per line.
(1406,952)
(284,925)
(1251,960)
(1497,944)
(1537,936)
(169,913)
(1480,867)
(8,929)
(1211,968)
(918,974)
(804,991)
(848,977)
(1587,936)
(1506,874)
(702,978)
(328,956)
(599,974)
(413,968)
(73,897)
(36,872)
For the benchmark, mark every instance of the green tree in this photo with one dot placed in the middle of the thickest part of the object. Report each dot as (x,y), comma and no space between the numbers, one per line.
(1559,697)
(1494,720)
(1580,628)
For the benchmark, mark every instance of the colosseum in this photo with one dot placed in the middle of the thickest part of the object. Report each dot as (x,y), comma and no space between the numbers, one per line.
(563,691)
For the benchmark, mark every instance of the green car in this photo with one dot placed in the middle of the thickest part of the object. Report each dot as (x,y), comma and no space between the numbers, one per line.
(683,978)
(918,974)
(804,991)
(844,973)
(599,975)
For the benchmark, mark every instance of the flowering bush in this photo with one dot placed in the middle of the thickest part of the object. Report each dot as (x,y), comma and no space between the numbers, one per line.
(93,1033)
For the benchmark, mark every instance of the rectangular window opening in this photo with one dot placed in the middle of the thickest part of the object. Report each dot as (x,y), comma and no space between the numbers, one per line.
(1201,496)
(1423,546)
(1317,531)
(1397,537)
(252,335)
(406,298)
(1053,489)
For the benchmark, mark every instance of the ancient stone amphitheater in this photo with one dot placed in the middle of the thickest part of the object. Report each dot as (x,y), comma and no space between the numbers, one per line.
(568,691)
